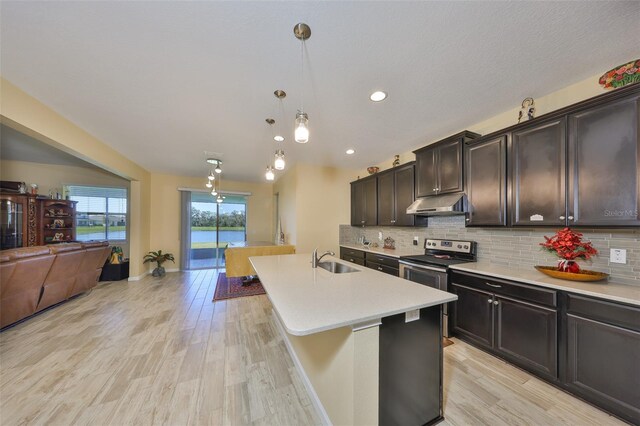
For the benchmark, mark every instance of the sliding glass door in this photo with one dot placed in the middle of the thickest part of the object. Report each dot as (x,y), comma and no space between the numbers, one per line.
(211,228)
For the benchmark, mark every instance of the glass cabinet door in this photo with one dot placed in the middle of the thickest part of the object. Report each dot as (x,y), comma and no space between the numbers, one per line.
(11,224)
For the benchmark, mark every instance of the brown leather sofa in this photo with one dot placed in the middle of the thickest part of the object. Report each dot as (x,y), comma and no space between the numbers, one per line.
(34,278)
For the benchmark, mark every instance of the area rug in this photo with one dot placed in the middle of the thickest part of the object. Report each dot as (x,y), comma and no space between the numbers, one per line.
(229,288)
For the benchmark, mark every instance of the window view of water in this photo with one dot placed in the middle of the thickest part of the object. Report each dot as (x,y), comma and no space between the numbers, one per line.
(213,227)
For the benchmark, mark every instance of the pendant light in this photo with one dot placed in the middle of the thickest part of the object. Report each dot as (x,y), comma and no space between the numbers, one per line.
(269,175)
(279,160)
(280,95)
(301,127)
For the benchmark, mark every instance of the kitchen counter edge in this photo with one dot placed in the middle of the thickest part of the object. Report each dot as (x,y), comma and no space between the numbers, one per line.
(624,293)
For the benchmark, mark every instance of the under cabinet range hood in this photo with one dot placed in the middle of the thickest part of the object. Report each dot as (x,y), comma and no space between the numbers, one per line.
(439,205)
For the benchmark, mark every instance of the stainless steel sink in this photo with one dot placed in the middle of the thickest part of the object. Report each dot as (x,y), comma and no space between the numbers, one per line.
(337,268)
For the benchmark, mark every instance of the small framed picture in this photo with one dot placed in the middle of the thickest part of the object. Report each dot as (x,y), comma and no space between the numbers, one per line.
(58,236)
(58,223)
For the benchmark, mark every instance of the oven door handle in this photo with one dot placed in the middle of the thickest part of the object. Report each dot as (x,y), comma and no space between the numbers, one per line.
(409,265)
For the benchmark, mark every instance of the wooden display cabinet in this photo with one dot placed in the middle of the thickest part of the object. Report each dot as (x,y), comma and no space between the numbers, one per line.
(57,221)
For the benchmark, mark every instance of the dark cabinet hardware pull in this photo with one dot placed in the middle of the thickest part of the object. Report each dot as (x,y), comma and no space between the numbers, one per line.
(493,285)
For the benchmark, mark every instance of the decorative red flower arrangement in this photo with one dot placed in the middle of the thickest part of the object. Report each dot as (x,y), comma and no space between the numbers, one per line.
(621,75)
(568,246)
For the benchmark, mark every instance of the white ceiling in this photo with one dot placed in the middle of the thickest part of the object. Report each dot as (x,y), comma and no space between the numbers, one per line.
(163,82)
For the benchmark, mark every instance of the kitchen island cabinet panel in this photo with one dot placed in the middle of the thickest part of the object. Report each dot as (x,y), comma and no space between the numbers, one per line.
(604,165)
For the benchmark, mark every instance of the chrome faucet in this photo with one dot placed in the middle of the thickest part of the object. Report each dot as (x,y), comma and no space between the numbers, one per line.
(315,259)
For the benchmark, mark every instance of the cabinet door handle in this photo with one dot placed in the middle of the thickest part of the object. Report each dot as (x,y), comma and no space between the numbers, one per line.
(570,218)
(351,260)
(493,285)
(562,217)
(495,302)
(379,268)
(490,301)
(362,221)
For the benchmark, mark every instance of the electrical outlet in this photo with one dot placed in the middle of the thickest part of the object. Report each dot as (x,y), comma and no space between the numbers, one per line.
(618,256)
(416,240)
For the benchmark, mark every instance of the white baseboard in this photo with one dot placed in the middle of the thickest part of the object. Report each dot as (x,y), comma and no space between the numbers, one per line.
(315,400)
(139,277)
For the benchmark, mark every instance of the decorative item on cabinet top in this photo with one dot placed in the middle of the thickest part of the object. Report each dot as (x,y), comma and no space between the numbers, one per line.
(527,110)
(373,169)
(621,75)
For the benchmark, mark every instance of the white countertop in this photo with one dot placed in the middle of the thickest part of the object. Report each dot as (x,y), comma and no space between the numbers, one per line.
(310,300)
(602,289)
(386,252)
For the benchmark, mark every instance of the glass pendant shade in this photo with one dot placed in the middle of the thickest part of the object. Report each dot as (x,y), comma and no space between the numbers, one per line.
(208,184)
(214,192)
(217,170)
(302,127)
(269,175)
(211,176)
(219,199)
(279,160)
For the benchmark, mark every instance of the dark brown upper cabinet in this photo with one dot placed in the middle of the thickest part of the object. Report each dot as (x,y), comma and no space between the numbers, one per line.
(439,167)
(364,202)
(395,194)
(486,181)
(604,161)
(538,174)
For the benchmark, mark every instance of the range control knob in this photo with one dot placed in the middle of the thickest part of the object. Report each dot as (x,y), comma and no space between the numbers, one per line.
(459,246)
(466,247)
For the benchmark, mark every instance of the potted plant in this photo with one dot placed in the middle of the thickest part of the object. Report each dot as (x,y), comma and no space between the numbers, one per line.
(568,246)
(159,257)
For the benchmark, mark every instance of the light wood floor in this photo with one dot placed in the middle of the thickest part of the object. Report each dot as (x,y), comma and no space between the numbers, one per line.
(158,351)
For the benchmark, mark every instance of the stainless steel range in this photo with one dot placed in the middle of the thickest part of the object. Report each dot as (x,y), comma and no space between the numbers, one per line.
(432,267)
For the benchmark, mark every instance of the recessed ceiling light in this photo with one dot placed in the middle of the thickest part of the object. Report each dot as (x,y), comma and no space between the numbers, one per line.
(350,151)
(378,96)
(278,138)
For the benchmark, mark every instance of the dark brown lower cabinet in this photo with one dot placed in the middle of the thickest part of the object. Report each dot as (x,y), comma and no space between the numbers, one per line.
(473,316)
(527,334)
(603,355)
(521,332)
(584,345)
(388,265)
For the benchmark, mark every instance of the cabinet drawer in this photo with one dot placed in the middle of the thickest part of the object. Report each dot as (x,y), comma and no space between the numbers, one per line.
(359,254)
(383,260)
(383,268)
(352,259)
(524,292)
(609,312)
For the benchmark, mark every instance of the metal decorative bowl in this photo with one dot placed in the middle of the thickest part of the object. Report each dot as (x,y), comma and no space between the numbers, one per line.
(373,169)
(583,275)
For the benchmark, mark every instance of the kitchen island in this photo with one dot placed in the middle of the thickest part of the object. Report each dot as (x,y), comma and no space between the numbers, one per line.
(368,345)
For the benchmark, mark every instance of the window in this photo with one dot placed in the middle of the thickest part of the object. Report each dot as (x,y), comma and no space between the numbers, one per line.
(101,212)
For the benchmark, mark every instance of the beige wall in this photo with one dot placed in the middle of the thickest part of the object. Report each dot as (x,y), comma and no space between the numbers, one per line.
(285,187)
(165,210)
(314,200)
(26,114)
(54,176)
(577,92)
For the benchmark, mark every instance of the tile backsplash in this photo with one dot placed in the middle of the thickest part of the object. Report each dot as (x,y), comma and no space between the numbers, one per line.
(512,247)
